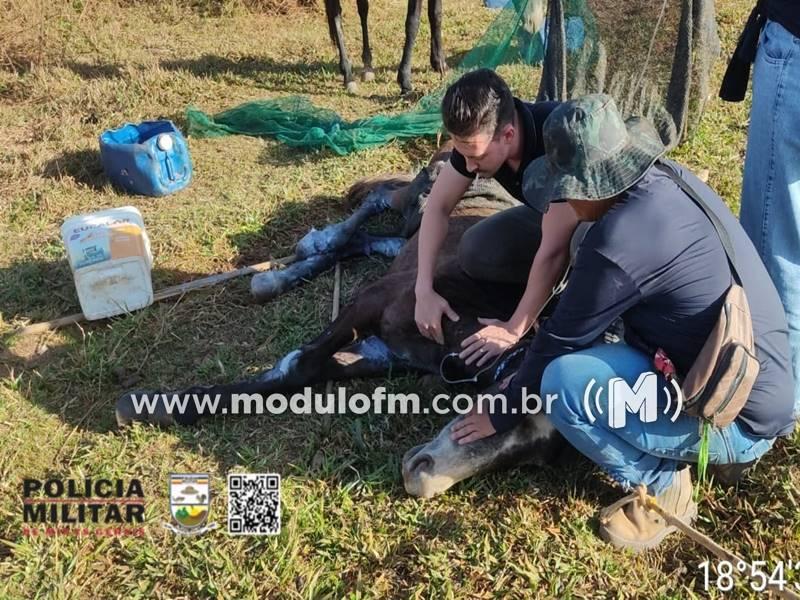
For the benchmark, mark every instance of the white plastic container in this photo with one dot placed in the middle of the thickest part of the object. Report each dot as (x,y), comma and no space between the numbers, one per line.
(109,253)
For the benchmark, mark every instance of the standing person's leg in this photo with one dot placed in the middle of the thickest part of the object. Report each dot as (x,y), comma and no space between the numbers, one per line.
(770,210)
(501,248)
(635,452)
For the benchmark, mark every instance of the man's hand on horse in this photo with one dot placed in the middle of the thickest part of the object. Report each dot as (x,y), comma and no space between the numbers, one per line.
(472,427)
(428,315)
(497,337)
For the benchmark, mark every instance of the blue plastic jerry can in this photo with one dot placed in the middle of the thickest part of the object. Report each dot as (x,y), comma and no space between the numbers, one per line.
(151,158)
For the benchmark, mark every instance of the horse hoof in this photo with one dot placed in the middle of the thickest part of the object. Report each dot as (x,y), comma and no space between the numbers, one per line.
(126,411)
(352,87)
(368,75)
(404,81)
(439,65)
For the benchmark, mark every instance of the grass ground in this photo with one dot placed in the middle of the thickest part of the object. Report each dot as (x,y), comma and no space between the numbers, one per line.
(349,529)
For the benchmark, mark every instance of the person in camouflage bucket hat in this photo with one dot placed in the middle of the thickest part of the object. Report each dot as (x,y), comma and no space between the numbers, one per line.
(591,153)
(654,262)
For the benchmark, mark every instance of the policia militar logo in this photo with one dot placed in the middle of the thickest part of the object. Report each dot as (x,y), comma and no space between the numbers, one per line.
(189,503)
(99,507)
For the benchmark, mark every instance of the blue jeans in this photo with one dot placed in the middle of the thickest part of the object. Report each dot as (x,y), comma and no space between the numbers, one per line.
(770,211)
(637,452)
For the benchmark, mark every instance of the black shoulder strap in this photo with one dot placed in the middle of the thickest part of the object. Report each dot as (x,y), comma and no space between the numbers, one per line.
(670,171)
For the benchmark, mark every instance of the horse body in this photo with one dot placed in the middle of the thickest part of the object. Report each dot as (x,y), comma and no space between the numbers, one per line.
(377,333)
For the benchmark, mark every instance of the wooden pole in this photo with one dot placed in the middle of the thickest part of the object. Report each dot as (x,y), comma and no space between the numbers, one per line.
(337,292)
(169,292)
(711,545)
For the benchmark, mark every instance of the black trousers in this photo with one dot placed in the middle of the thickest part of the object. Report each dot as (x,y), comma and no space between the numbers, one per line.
(501,248)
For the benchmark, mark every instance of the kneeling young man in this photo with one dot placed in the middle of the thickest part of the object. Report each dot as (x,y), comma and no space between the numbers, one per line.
(654,259)
(495,135)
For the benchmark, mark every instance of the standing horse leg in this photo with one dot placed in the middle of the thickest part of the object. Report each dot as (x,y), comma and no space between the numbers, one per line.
(438,62)
(412,26)
(366,51)
(333,12)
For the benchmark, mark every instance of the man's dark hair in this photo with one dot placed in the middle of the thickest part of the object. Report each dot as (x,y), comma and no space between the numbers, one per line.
(477,102)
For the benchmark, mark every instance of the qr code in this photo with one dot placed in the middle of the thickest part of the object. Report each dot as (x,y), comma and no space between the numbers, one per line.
(254,504)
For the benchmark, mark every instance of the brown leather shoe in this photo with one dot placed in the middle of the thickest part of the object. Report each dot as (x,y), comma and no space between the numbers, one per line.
(628,524)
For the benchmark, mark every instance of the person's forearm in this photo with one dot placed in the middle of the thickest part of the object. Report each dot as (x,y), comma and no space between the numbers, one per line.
(432,232)
(544,275)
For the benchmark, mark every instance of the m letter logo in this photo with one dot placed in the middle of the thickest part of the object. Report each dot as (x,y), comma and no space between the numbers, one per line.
(642,399)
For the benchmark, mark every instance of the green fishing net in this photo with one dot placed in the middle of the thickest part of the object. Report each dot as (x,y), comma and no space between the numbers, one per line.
(653,57)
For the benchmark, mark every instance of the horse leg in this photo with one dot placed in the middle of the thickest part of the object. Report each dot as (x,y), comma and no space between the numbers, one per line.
(333,12)
(312,363)
(270,284)
(335,237)
(412,26)
(361,359)
(438,62)
(366,51)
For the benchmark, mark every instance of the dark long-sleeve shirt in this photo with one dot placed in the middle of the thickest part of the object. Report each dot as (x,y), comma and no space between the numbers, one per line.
(656,260)
(785,12)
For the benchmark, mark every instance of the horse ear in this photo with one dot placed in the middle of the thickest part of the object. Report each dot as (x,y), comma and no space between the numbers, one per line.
(442,153)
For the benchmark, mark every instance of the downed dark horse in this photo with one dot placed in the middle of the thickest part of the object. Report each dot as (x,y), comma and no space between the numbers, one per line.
(376,332)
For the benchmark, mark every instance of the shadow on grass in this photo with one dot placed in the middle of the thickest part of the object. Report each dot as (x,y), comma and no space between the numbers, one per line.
(281,155)
(83,166)
(268,73)
(41,290)
(285,228)
(90,71)
(79,358)
(293,77)
(210,65)
(295,219)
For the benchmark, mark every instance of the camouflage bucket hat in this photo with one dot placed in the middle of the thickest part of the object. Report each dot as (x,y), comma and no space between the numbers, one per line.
(590,153)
